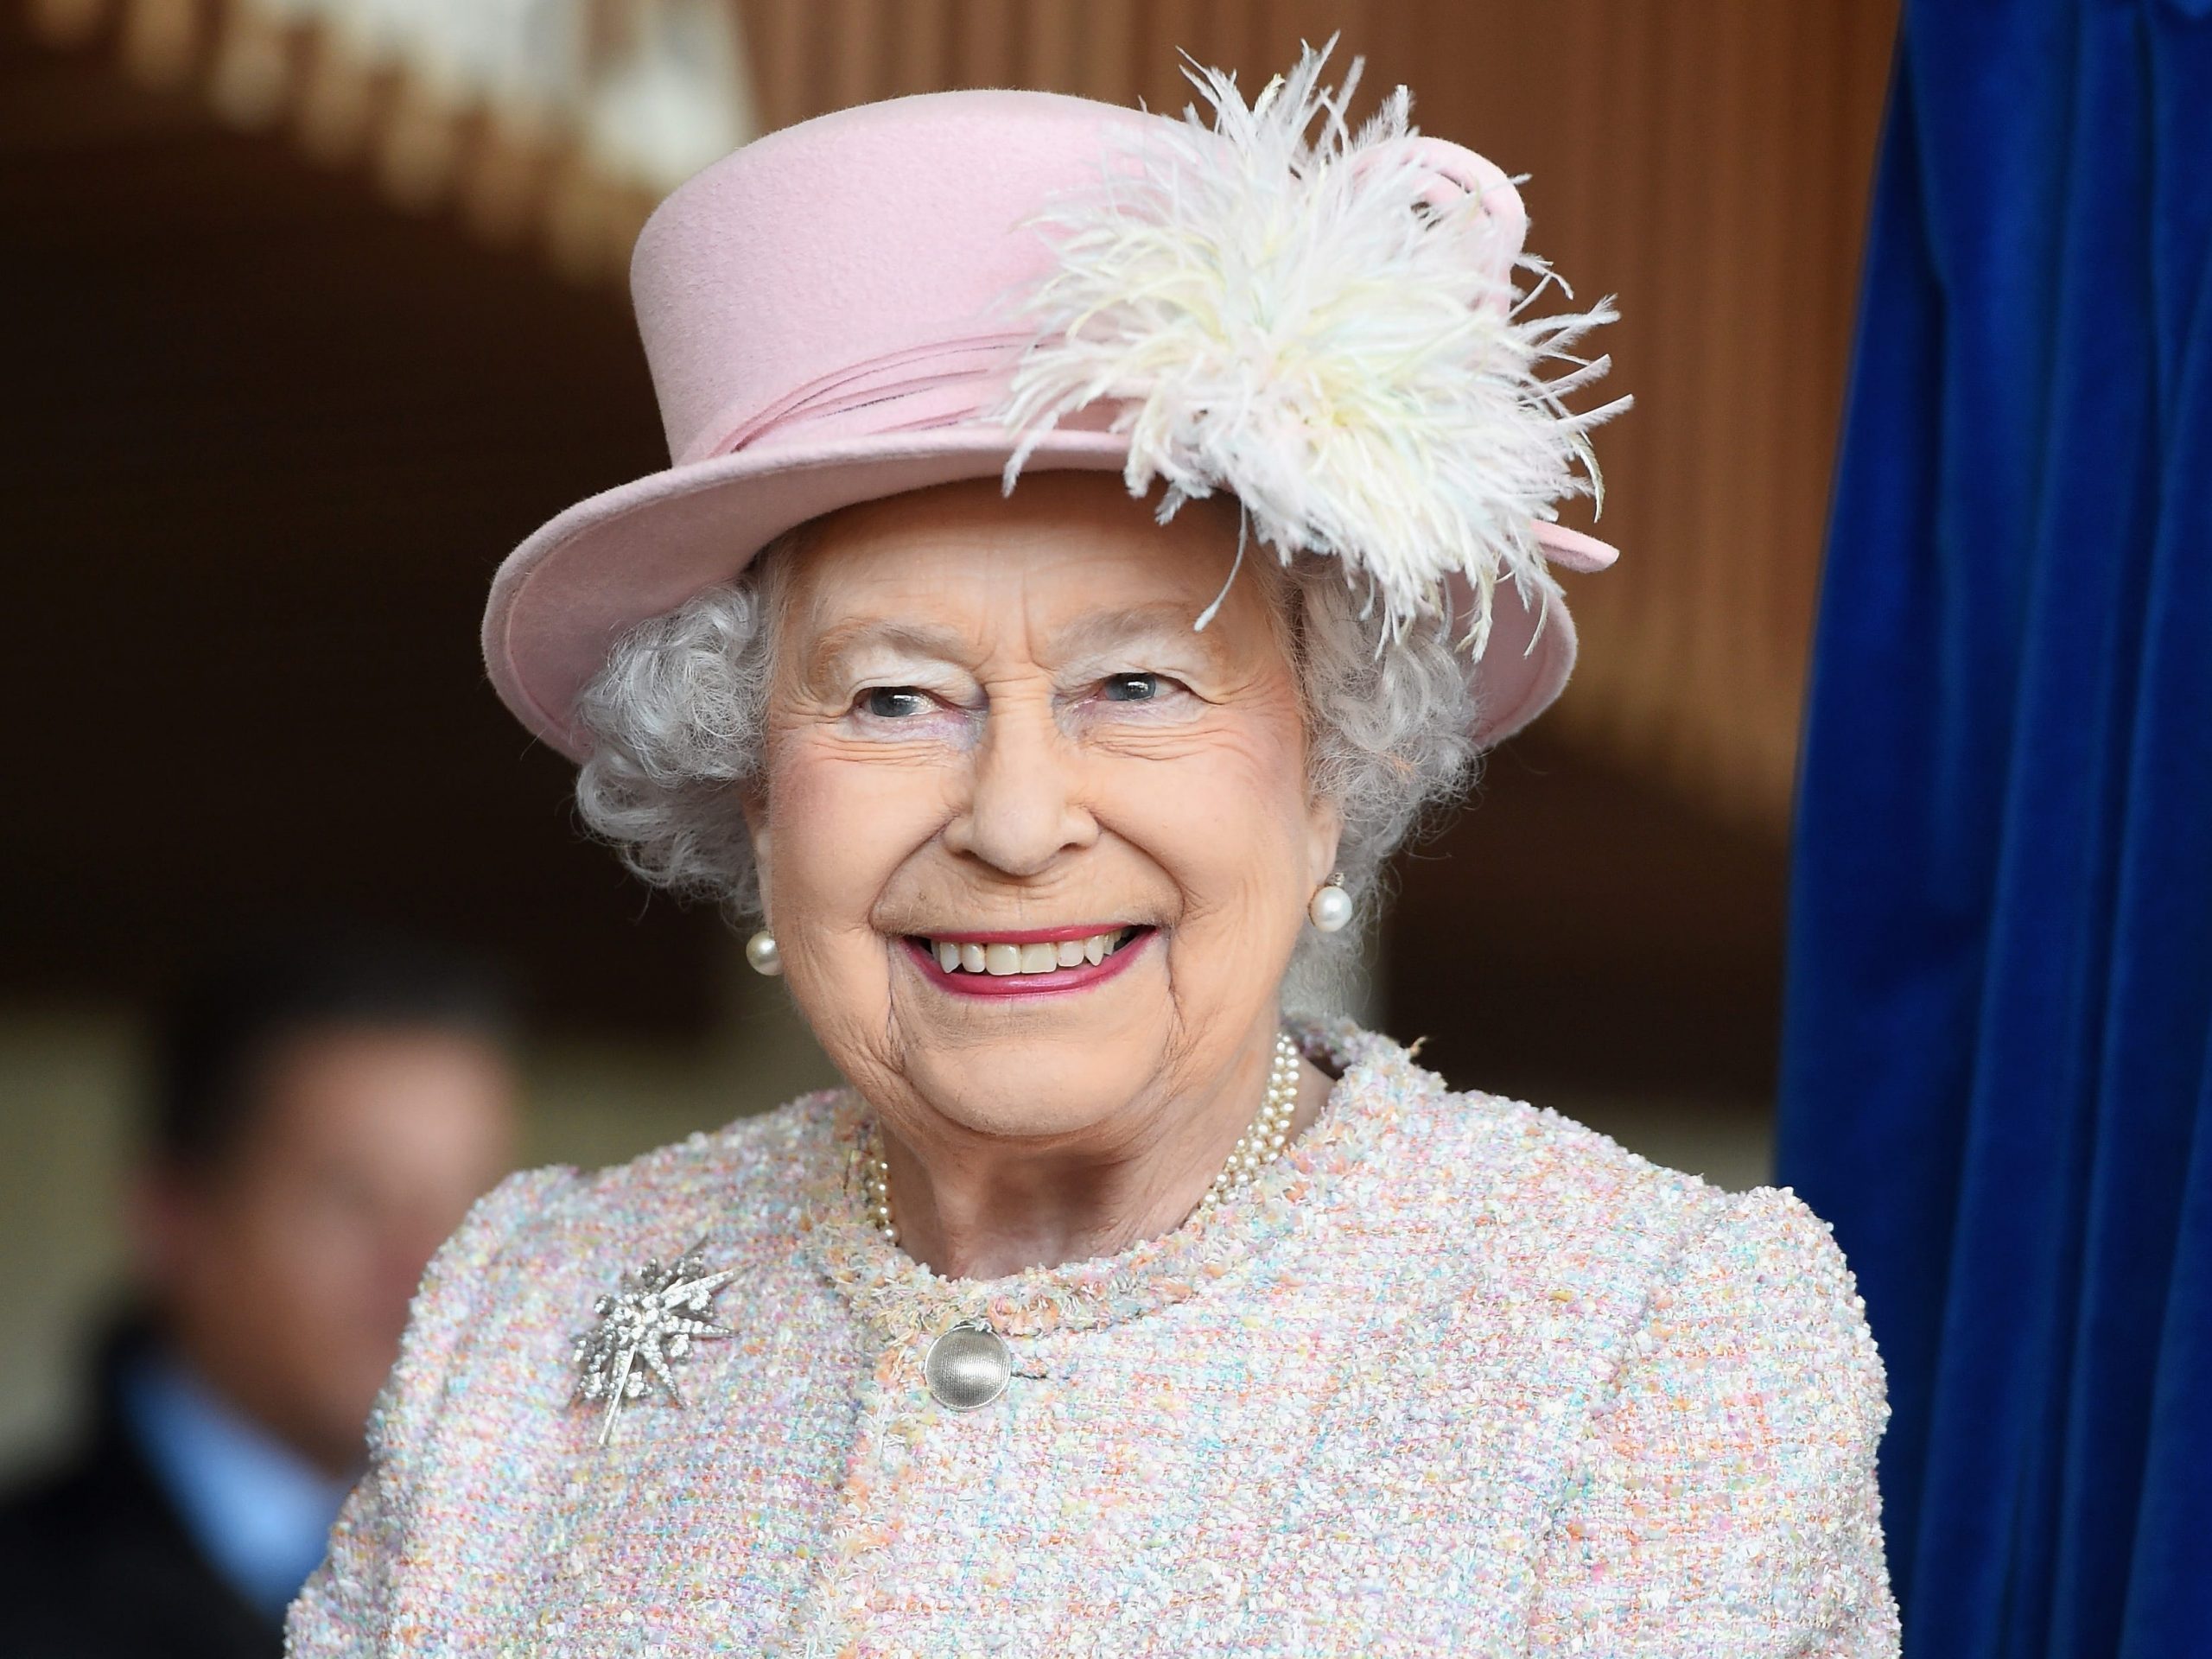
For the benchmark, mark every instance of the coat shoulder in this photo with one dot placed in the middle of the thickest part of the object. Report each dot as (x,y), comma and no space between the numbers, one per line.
(1755,1270)
(1561,1199)
(1536,1172)
(738,1185)
(1566,1178)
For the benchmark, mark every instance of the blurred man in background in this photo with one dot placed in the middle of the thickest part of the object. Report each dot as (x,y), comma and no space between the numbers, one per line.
(325,1112)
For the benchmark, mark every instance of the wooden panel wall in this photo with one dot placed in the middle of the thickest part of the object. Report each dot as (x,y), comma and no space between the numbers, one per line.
(1706,160)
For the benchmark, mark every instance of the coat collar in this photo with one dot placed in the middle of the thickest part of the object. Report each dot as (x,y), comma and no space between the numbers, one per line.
(897,1300)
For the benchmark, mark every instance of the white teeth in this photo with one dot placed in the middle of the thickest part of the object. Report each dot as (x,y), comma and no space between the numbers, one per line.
(1007,959)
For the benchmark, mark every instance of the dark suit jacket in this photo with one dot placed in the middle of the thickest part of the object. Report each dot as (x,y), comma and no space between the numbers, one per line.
(95,1563)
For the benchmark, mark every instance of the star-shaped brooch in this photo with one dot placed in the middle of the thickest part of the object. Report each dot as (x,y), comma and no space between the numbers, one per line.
(645,1326)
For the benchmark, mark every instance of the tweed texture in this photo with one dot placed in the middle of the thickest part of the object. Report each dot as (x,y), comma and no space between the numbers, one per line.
(1455,1375)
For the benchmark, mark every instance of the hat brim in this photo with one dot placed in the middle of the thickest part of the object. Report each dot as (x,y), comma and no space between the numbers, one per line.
(564,598)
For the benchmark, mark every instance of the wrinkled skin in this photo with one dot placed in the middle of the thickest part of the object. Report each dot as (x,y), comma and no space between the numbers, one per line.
(995,713)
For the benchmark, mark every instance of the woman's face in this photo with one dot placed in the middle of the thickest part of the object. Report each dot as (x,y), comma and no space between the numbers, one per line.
(1035,851)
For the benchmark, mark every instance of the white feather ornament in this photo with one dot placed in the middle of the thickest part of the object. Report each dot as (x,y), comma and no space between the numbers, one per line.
(1299,316)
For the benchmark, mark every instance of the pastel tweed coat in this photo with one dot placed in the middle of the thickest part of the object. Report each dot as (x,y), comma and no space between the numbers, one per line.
(1455,1377)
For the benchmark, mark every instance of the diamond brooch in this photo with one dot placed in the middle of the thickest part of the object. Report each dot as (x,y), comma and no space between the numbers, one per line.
(648,1324)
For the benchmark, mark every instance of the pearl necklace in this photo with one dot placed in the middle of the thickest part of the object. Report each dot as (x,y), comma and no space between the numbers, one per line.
(1259,1142)
(1256,1148)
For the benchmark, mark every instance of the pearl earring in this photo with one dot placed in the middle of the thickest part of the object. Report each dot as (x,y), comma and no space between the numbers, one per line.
(760,951)
(1330,910)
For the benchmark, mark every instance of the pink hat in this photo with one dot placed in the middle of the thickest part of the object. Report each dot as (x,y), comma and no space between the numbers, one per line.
(836,314)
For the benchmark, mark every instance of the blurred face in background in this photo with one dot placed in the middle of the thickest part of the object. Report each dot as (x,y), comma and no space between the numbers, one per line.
(281,1271)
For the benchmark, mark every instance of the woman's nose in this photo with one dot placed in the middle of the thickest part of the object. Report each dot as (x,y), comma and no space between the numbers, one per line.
(1024,808)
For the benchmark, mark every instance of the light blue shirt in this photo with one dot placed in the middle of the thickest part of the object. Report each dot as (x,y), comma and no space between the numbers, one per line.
(259,1512)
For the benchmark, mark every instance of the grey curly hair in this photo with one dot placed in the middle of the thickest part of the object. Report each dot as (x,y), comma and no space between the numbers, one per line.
(679,724)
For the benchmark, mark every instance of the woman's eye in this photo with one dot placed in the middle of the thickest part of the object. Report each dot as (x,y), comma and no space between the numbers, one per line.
(894,703)
(1130,688)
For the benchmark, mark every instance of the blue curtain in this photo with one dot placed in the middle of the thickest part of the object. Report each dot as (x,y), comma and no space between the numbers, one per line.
(1998,1055)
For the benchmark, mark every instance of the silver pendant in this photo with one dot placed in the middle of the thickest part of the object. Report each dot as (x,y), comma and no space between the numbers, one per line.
(647,1325)
(967,1366)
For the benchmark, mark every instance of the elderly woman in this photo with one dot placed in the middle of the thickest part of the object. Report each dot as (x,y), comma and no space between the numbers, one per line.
(1104,1311)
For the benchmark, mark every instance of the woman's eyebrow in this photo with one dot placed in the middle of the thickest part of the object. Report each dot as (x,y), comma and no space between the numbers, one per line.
(835,649)
(1164,622)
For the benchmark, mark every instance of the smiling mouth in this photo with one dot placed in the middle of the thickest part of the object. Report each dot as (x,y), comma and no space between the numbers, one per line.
(1026,964)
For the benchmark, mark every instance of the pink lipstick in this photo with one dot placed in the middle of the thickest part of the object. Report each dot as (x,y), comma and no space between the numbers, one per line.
(975,980)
